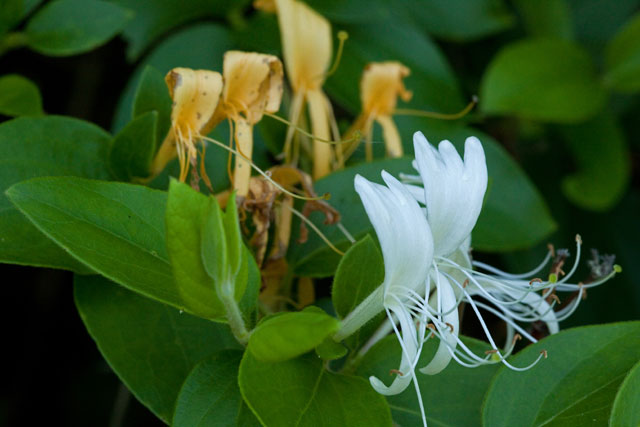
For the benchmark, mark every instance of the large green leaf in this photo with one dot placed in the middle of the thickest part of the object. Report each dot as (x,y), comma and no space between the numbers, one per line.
(577,383)
(543,79)
(151,346)
(360,272)
(289,335)
(19,96)
(460,20)
(432,81)
(46,146)
(152,95)
(623,58)
(601,154)
(153,18)
(300,392)
(117,229)
(69,27)
(13,11)
(211,397)
(451,398)
(626,407)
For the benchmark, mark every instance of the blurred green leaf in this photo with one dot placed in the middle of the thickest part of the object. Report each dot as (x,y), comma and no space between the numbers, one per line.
(19,96)
(360,272)
(210,396)
(460,20)
(626,407)
(13,11)
(300,392)
(623,58)
(331,350)
(544,79)
(588,364)
(152,95)
(117,229)
(432,81)
(451,398)
(69,27)
(289,335)
(546,18)
(152,347)
(133,148)
(603,162)
(154,18)
(44,146)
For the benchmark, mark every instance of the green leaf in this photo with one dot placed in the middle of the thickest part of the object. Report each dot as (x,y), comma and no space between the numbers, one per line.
(211,397)
(45,146)
(289,335)
(546,18)
(154,18)
(623,58)
(152,95)
(13,11)
(451,398)
(600,151)
(132,150)
(152,347)
(431,76)
(577,383)
(19,96)
(331,350)
(461,20)
(300,392)
(69,27)
(545,79)
(360,272)
(626,407)
(116,229)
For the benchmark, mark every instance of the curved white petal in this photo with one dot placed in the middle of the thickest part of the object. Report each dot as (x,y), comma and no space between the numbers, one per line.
(448,340)
(409,345)
(453,189)
(402,229)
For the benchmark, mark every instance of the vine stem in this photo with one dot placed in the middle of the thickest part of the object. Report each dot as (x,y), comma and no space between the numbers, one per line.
(236,322)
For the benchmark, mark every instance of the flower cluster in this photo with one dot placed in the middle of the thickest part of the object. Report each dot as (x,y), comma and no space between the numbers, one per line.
(424,227)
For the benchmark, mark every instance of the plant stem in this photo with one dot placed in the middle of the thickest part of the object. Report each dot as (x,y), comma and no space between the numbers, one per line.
(236,322)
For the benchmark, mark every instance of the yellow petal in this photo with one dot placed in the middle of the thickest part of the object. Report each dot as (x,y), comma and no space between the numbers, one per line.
(252,85)
(306,44)
(265,5)
(195,95)
(380,87)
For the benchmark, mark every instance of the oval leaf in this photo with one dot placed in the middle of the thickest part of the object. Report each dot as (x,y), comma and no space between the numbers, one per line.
(210,396)
(69,27)
(152,365)
(626,407)
(300,392)
(547,80)
(19,96)
(290,334)
(132,150)
(577,383)
(44,146)
(623,58)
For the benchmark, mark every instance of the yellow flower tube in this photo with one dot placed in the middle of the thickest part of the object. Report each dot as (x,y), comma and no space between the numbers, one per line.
(307,48)
(195,95)
(252,86)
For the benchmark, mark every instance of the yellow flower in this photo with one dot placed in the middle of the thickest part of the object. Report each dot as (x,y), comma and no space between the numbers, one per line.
(380,87)
(307,47)
(195,95)
(252,86)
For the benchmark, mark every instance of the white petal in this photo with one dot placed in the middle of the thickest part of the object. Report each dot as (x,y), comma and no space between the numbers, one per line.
(403,232)
(448,340)
(454,190)
(409,353)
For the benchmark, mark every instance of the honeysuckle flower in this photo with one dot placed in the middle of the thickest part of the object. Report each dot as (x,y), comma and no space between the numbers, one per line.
(252,86)
(307,49)
(380,87)
(195,95)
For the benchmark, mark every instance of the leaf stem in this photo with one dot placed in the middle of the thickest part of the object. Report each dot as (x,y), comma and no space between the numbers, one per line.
(236,322)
